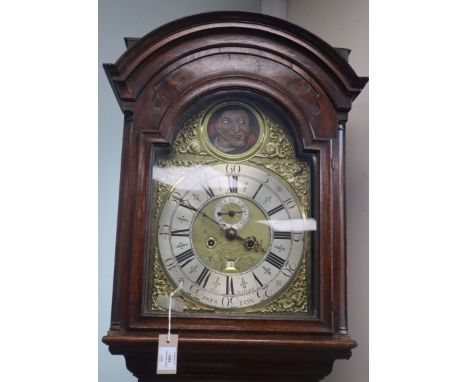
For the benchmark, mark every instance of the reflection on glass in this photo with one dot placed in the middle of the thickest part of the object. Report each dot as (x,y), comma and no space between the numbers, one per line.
(235,233)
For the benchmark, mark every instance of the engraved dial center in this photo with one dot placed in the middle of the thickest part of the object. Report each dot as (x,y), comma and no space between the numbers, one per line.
(242,240)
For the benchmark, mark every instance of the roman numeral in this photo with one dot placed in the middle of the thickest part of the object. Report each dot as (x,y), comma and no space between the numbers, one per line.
(229,285)
(282,235)
(275,210)
(258,190)
(257,279)
(186,256)
(180,232)
(275,260)
(203,278)
(208,190)
(233,180)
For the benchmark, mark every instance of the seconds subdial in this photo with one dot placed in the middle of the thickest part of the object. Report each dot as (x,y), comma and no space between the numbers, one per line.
(231,212)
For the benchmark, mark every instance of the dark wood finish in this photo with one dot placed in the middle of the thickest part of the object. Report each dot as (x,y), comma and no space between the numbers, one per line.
(155,80)
(237,359)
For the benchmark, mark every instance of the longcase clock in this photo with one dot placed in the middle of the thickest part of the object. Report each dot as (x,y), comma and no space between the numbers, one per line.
(232,188)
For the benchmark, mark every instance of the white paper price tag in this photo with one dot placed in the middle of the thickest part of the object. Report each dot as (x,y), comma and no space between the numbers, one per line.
(167,354)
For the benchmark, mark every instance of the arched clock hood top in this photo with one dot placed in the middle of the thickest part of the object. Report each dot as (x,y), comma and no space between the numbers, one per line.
(206,34)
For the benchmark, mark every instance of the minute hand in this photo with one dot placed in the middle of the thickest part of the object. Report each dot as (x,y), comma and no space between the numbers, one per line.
(186,204)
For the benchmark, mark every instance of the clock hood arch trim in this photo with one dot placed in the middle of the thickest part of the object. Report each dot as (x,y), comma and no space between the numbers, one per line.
(302,48)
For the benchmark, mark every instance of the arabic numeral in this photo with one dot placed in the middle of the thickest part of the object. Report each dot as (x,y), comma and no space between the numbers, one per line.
(297,236)
(164,230)
(263,292)
(170,264)
(288,270)
(233,169)
(266,179)
(226,301)
(290,203)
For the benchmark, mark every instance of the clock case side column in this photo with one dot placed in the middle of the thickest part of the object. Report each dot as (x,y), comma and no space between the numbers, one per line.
(339,240)
(123,232)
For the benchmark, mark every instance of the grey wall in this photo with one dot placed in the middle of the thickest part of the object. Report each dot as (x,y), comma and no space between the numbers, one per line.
(341,23)
(344,24)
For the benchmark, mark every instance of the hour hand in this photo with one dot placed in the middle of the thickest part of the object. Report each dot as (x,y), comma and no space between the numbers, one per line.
(186,204)
(251,243)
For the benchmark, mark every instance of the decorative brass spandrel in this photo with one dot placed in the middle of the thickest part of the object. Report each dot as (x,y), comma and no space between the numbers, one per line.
(188,152)
(187,141)
(278,145)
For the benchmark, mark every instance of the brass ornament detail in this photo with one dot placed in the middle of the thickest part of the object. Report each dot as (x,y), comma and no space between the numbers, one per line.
(278,144)
(160,284)
(189,153)
(187,141)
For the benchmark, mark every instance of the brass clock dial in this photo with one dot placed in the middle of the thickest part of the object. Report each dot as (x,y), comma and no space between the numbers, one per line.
(232,233)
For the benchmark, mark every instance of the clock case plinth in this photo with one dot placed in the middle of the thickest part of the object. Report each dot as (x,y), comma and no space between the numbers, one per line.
(155,81)
(236,359)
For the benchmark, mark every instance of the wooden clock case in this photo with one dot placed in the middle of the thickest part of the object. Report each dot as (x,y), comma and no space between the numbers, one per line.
(155,81)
